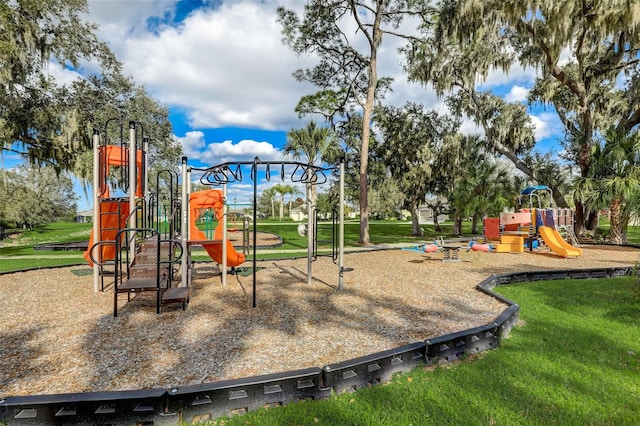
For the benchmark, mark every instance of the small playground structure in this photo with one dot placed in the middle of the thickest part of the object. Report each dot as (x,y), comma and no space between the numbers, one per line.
(532,225)
(145,239)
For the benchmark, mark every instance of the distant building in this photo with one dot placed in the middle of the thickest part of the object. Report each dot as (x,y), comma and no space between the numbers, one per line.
(298,214)
(84,216)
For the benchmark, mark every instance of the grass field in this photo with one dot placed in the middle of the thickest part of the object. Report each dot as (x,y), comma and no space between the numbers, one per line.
(573,359)
(18,253)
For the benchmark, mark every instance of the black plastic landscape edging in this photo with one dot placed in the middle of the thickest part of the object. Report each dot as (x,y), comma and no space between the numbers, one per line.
(208,401)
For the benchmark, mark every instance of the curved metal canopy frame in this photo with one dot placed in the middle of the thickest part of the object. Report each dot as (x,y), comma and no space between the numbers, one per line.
(231,172)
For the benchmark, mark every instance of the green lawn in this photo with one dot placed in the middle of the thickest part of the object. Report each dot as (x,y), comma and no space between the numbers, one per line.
(19,253)
(573,359)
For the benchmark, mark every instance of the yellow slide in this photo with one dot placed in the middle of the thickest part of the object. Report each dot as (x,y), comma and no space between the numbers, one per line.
(557,244)
(211,198)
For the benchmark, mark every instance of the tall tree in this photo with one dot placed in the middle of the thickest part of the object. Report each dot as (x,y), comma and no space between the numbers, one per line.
(485,189)
(118,100)
(34,197)
(582,49)
(267,201)
(347,76)
(34,120)
(412,138)
(292,191)
(283,190)
(52,124)
(613,180)
(312,144)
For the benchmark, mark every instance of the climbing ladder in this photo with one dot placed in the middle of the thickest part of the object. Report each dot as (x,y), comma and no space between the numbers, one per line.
(144,263)
(571,235)
(326,233)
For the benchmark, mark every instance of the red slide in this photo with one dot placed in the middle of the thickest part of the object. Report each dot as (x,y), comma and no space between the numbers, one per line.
(211,198)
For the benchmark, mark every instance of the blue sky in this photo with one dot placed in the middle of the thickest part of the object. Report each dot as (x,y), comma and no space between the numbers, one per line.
(222,70)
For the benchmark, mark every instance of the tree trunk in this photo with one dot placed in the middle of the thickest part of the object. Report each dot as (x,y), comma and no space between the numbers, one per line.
(585,219)
(364,213)
(457,224)
(436,224)
(415,223)
(592,220)
(617,225)
(474,224)
(367,110)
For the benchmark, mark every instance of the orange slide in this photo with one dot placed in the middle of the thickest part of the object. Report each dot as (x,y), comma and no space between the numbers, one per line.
(557,244)
(110,223)
(211,198)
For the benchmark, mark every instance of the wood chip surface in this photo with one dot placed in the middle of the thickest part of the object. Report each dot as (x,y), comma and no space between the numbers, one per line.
(58,336)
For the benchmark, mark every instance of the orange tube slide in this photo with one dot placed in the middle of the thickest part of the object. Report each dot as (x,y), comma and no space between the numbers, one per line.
(211,198)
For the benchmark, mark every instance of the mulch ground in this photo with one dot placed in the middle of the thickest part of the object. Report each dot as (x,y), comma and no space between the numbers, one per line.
(59,336)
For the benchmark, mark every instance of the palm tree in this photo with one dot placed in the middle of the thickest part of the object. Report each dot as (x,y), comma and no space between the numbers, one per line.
(283,190)
(312,144)
(487,187)
(292,191)
(270,194)
(613,180)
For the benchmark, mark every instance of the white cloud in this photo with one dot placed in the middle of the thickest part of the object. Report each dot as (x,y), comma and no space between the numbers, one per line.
(192,143)
(196,147)
(245,150)
(516,74)
(517,94)
(469,127)
(546,125)
(61,75)
(225,65)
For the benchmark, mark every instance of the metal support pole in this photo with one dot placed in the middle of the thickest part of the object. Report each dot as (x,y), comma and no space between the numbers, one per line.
(145,188)
(184,234)
(96,207)
(132,181)
(255,219)
(224,235)
(341,227)
(310,231)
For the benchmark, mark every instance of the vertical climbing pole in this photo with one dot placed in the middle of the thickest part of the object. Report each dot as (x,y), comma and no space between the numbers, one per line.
(341,227)
(132,181)
(254,176)
(184,234)
(310,229)
(224,234)
(96,207)
(145,168)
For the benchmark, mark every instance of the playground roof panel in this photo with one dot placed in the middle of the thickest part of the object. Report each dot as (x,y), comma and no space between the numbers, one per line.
(532,189)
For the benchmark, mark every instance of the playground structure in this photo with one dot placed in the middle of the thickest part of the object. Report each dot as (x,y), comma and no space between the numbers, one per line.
(126,241)
(223,174)
(144,240)
(527,228)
